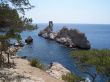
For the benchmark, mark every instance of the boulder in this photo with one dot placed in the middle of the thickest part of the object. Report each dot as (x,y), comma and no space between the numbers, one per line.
(29,40)
(57,70)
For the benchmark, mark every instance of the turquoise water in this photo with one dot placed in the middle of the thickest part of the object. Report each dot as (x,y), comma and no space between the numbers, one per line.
(49,51)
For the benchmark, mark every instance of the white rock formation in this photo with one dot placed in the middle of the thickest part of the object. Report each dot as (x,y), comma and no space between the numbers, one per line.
(57,70)
(52,35)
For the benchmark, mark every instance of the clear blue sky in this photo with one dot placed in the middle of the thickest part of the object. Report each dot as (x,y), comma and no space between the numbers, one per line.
(71,11)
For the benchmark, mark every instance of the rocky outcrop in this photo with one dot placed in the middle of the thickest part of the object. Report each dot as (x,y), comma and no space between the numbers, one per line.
(48,32)
(29,40)
(57,70)
(68,37)
(73,38)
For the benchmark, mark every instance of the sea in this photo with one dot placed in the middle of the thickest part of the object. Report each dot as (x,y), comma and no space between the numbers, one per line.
(48,51)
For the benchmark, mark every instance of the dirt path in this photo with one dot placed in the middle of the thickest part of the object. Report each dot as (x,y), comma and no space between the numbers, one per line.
(23,67)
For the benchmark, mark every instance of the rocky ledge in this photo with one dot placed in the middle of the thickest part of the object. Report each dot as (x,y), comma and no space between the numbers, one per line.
(68,37)
(57,70)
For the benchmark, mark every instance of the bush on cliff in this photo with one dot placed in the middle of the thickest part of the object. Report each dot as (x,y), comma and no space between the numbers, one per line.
(100,59)
(71,78)
(36,63)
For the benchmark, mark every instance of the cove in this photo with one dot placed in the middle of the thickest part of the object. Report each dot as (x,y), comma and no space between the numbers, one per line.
(49,51)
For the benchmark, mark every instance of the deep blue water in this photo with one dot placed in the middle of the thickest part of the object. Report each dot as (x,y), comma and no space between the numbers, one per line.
(49,51)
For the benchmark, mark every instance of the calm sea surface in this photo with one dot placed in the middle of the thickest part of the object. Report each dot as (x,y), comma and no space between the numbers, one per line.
(50,51)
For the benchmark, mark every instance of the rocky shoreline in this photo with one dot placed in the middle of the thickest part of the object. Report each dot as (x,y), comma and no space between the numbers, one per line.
(22,71)
(69,37)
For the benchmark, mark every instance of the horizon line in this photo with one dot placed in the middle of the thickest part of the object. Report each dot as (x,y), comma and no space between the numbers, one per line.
(74,23)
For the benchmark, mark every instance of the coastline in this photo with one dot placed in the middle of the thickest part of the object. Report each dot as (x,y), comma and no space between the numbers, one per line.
(24,72)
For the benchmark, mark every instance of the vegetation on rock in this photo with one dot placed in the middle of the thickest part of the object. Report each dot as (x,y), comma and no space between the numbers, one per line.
(36,63)
(70,77)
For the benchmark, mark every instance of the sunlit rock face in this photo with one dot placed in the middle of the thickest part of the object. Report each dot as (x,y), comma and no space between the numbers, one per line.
(57,70)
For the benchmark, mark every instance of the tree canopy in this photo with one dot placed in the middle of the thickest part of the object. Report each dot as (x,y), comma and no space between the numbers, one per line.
(10,20)
(9,14)
(12,23)
(20,5)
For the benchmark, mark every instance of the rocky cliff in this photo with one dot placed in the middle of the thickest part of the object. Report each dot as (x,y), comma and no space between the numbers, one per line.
(69,37)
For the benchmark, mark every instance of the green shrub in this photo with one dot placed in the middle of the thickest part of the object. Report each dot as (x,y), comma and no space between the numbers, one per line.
(70,77)
(36,63)
(100,59)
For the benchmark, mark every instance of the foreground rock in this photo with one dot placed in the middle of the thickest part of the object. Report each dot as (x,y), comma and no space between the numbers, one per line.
(23,72)
(10,75)
(29,40)
(57,70)
(68,37)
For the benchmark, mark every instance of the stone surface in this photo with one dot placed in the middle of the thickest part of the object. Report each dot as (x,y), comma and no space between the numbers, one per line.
(74,38)
(12,50)
(68,37)
(52,35)
(21,70)
(18,44)
(57,70)
(29,40)
(10,75)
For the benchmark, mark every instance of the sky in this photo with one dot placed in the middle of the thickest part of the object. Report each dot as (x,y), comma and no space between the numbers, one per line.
(70,11)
